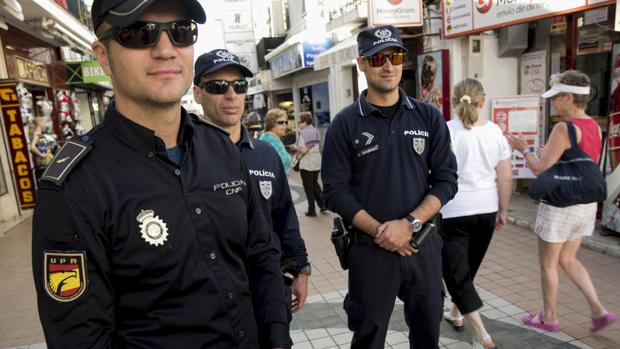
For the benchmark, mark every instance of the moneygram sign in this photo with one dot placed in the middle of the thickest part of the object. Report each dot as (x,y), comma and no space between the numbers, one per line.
(461,17)
(399,13)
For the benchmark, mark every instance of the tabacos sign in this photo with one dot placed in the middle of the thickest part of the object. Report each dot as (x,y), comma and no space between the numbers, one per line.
(462,17)
(18,147)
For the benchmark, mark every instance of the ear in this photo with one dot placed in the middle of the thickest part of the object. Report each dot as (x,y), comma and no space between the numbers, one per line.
(102,56)
(197,94)
(361,64)
(481,105)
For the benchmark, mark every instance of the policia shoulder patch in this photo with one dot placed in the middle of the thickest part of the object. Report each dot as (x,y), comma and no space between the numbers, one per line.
(65,275)
(65,160)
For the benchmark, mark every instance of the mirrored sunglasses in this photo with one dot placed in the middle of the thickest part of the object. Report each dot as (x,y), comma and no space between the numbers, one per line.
(146,34)
(378,60)
(219,87)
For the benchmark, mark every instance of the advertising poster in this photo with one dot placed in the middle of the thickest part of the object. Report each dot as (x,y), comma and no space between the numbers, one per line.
(518,115)
(462,17)
(399,13)
(533,73)
(434,83)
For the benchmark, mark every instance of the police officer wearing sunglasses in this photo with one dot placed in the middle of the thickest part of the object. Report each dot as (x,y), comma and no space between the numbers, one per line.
(387,169)
(147,231)
(219,86)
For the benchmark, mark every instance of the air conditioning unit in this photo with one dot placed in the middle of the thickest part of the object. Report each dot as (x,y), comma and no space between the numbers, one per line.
(512,40)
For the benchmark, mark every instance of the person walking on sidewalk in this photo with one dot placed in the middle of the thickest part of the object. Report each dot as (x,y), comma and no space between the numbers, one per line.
(309,157)
(219,86)
(147,232)
(276,122)
(387,169)
(478,208)
(560,230)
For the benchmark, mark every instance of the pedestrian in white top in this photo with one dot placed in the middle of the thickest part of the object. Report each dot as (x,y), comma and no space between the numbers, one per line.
(479,207)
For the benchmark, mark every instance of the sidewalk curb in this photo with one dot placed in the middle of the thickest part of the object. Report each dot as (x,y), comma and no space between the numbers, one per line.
(588,243)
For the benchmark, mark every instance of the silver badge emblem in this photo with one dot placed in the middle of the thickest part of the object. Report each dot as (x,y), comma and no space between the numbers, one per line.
(153,229)
(418,145)
(369,137)
(265,189)
(225,54)
(383,33)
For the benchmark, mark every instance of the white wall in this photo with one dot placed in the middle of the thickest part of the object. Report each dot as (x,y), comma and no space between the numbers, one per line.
(340,88)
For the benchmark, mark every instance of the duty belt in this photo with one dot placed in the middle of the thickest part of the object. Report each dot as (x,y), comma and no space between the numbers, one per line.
(359,237)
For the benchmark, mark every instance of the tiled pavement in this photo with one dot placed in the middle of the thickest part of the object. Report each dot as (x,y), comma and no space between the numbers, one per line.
(508,281)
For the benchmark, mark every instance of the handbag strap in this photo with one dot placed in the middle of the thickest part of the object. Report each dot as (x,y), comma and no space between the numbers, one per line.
(572,134)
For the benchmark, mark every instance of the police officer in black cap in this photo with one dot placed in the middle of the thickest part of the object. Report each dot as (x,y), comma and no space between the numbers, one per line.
(147,231)
(387,169)
(220,86)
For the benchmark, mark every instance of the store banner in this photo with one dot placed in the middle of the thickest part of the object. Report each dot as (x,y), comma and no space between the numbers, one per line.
(17,144)
(399,13)
(519,115)
(462,17)
(287,62)
(315,48)
(32,72)
(85,72)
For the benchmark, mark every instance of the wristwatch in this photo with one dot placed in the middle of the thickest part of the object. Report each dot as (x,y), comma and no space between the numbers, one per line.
(415,225)
(307,270)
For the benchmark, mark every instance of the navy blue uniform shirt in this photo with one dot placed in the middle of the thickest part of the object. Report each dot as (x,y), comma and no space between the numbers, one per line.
(269,179)
(131,251)
(386,165)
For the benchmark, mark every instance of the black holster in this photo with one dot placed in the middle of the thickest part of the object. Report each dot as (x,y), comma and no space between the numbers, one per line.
(341,240)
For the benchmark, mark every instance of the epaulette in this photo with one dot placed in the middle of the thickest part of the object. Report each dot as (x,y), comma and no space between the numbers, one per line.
(66,159)
(202,121)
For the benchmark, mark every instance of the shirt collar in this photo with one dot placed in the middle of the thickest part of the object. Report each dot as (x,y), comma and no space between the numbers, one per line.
(245,140)
(141,138)
(364,108)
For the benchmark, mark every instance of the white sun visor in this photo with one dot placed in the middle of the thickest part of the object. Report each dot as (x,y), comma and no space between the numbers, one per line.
(559,88)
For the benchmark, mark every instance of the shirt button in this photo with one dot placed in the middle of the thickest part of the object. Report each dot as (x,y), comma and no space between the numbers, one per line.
(212,255)
(85,138)
(231,296)
(177,172)
(198,210)
(150,154)
(241,334)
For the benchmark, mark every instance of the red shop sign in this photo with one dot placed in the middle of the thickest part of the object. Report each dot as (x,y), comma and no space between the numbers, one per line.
(18,147)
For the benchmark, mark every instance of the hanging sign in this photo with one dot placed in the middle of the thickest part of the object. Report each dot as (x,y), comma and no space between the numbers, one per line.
(462,17)
(18,147)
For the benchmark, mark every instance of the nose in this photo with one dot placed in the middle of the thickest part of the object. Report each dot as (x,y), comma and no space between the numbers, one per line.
(164,49)
(230,92)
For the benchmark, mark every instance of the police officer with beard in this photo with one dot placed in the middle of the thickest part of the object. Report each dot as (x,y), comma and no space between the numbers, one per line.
(147,232)
(387,169)
(220,86)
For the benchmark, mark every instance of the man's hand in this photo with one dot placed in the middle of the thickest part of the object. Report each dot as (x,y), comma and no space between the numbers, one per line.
(299,291)
(394,235)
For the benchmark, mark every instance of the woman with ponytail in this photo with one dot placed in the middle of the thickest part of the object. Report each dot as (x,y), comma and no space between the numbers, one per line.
(479,207)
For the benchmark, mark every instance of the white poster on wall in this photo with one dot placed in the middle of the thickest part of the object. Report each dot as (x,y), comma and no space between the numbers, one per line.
(462,17)
(399,13)
(519,115)
(533,73)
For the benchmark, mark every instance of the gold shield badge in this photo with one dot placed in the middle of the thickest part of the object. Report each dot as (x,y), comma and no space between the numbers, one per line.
(65,275)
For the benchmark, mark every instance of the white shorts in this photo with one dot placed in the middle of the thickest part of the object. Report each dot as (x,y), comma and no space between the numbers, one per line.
(560,224)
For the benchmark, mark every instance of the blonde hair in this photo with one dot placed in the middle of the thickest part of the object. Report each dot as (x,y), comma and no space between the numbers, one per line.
(468,96)
(272,116)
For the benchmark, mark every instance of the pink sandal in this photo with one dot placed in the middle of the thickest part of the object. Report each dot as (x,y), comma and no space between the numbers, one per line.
(601,323)
(530,320)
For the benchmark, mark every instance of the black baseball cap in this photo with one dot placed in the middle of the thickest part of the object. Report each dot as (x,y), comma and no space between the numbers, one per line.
(122,13)
(215,60)
(373,40)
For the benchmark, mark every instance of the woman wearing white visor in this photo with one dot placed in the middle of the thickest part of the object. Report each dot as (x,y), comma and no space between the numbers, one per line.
(560,230)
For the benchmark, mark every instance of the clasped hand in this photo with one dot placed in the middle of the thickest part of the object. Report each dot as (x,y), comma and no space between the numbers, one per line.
(395,236)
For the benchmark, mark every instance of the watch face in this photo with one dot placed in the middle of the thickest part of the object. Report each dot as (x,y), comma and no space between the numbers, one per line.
(416,226)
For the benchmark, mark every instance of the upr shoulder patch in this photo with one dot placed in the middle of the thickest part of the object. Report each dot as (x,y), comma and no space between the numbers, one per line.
(65,275)
(65,160)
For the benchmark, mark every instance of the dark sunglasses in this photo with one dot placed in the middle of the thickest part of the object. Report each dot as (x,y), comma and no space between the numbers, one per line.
(146,34)
(219,87)
(282,122)
(378,60)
